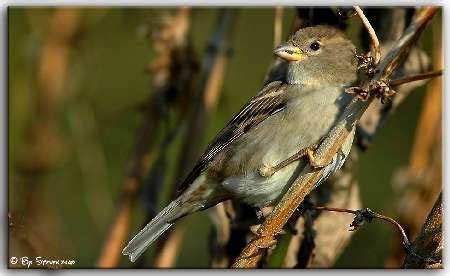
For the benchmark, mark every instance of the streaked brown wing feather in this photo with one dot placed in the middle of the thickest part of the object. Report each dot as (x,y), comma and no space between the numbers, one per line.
(268,102)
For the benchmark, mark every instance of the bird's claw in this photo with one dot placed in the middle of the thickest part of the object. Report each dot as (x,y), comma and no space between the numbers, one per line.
(314,162)
(254,229)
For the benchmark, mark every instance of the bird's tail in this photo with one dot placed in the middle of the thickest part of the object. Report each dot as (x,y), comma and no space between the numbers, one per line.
(155,228)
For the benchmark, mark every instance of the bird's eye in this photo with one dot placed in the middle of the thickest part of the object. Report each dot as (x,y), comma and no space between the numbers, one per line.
(315,46)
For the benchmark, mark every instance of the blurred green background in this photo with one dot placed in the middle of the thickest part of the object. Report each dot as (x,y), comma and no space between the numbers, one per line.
(106,83)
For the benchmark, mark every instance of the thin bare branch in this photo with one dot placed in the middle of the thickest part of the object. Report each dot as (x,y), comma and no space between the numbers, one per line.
(371,31)
(277,26)
(367,215)
(309,177)
(417,77)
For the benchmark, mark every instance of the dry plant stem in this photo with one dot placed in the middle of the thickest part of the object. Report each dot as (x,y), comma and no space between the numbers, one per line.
(417,77)
(430,242)
(277,26)
(221,235)
(302,186)
(167,256)
(142,153)
(35,222)
(371,31)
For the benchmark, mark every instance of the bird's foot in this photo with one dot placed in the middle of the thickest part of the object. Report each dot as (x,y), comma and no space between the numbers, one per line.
(313,161)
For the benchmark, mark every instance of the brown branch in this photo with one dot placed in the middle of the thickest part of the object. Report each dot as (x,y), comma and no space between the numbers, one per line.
(371,31)
(330,235)
(306,182)
(417,77)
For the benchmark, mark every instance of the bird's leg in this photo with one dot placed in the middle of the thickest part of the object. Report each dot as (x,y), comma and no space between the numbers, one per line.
(267,171)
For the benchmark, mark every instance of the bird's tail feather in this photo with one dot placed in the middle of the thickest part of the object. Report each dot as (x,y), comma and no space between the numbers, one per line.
(155,228)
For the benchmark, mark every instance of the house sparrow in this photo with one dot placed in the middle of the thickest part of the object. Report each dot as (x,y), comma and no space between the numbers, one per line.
(261,151)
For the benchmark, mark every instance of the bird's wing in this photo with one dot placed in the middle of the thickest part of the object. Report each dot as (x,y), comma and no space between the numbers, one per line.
(270,100)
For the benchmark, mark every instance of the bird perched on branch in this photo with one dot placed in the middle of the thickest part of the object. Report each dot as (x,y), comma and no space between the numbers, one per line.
(268,144)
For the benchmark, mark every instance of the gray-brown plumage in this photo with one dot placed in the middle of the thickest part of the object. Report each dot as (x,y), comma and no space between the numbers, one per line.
(290,113)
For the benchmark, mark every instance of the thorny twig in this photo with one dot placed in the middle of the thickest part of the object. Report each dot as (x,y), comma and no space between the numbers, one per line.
(367,215)
(302,186)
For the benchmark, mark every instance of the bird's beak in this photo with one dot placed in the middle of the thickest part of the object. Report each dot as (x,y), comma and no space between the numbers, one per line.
(289,52)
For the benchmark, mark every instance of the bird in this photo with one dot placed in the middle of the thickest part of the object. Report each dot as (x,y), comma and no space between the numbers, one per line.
(271,140)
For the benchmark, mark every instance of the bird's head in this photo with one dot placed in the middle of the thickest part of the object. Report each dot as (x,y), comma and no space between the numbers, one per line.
(319,55)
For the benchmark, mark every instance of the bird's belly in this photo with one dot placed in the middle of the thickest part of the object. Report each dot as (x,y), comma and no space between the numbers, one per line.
(260,191)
